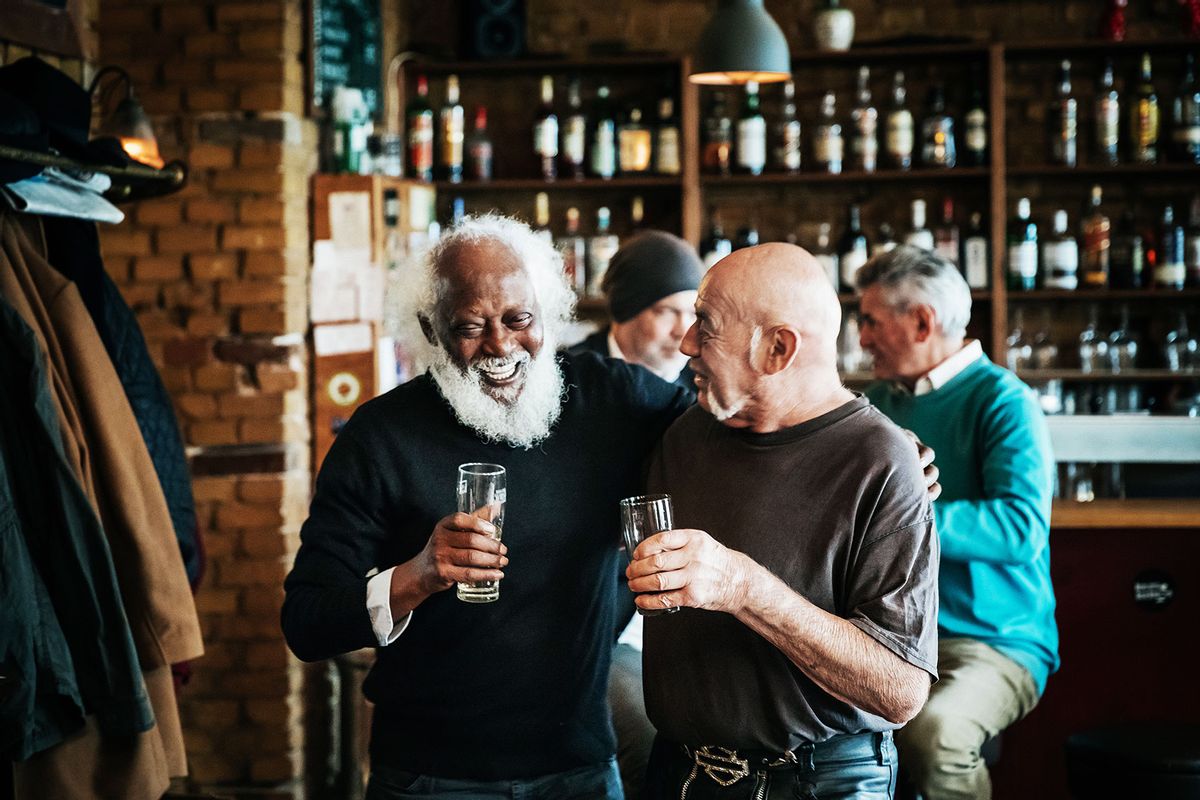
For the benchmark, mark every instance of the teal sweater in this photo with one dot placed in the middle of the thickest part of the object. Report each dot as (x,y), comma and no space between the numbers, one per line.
(993,518)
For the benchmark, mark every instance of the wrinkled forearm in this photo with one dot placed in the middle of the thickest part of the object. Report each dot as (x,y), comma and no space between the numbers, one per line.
(833,652)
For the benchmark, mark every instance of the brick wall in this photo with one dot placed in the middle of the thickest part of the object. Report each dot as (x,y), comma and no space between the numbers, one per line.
(569,26)
(217,276)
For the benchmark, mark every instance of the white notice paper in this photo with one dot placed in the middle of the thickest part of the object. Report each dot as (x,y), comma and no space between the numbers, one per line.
(350,220)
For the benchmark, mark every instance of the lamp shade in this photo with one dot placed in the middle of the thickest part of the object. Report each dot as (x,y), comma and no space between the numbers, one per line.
(741,43)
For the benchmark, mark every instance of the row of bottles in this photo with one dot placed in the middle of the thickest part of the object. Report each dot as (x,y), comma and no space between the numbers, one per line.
(1097,352)
(967,249)
(867,140)
(1103,256)
(601,142)
(585,257)
(1141,141)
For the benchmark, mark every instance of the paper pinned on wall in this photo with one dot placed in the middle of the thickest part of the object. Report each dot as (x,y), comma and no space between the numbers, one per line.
(350,220)
(332,340)
(420,207)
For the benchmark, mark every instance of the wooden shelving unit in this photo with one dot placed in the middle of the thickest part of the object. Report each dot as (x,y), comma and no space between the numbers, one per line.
(988,187)
(1126,376)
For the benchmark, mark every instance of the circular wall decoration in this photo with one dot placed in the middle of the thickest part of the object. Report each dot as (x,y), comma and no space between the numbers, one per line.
(344,389)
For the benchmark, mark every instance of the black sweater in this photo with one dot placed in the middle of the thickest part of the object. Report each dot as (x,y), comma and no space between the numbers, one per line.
(510,689)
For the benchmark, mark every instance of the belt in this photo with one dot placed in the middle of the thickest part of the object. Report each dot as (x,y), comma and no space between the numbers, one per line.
(727,766)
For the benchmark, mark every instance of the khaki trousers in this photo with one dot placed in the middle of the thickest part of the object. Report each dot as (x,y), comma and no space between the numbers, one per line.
(980,692)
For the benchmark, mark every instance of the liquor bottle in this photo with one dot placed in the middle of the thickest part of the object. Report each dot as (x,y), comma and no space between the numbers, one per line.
(828,143)
(746,236)
(864,127)
(885,242)
(751,134)
(718,137)
(604,136)
(545,132)
(458,211)
(635,145)
(1191,257)
(1096,235)
(574,250)
(1022,249)
(1127,255)
(1060,256)
(541,217)
(1143,119)
(393,242)
(785,134)
(1093,345)
(1107,139)
(600,251)
(976,120)
(853,249)
(637,214)
(479,149)
(419,116)
(825,255)
(1169,271)
(574,132)
(667,147)
(899,127)
(1018,351)
(1185,116)
(715,245)
(976,265)
(937,132)
(1122,345)
(919,235)
(1180,348)
(1063,120)
(451,134)
(945,235)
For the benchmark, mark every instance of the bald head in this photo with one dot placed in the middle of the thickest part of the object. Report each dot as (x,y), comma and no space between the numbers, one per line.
(780,284)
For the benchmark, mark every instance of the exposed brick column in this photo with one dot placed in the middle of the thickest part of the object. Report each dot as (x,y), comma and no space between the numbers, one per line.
(217,275)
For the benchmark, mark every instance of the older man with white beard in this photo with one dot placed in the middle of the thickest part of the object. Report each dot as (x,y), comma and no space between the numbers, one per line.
(507,698)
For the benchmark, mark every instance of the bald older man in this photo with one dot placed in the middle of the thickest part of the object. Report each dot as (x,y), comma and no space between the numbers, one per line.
(805,562)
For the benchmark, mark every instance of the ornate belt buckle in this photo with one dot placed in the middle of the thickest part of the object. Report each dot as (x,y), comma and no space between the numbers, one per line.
(722,764)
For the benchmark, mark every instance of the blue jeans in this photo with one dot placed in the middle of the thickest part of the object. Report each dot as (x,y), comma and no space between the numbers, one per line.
(857,767)
(601,782)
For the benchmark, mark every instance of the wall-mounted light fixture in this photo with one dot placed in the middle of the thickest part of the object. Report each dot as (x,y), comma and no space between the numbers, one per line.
(741,43)
(127,122)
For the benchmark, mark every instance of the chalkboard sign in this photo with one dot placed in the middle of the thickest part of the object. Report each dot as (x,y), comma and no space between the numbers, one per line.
(346,45)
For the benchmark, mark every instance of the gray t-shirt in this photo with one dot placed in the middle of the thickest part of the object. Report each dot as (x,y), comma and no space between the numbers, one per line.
(836,507)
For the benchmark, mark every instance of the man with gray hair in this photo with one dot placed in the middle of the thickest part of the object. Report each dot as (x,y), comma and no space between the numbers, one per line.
(998,638)
(507,698)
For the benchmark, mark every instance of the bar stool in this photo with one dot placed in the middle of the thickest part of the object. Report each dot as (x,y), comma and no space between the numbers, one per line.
(1135,759)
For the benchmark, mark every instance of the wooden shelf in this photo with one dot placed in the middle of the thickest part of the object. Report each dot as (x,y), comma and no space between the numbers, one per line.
(882,176)
(537,65)
(1056,49)
(1139,513)
(851,299)
(1085,172)
(619,183)
(1101,295)
(1078,376)
(869,51)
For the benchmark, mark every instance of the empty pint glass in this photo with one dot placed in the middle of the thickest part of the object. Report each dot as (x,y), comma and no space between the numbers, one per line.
(642,517)
(482,491)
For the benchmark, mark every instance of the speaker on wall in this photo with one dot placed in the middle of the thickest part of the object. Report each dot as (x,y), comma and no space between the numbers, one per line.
(493,28)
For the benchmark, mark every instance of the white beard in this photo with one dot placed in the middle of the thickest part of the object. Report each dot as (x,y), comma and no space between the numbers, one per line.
(522,423)
(722,413)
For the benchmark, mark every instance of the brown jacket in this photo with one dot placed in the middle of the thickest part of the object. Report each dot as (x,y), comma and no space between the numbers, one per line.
(103,442)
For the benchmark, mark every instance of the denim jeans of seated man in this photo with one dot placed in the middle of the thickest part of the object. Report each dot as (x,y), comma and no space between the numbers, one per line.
(600,782)
(861,767)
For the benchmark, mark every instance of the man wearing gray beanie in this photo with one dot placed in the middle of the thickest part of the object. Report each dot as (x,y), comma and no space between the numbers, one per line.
(650,286)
